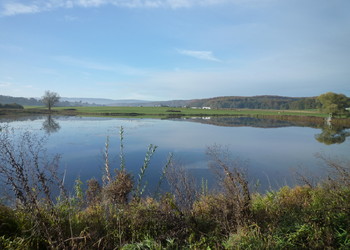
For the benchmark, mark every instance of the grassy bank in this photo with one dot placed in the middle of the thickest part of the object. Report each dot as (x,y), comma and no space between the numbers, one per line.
(291,218)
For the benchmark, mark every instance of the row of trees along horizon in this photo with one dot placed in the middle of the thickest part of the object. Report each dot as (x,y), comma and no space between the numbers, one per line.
(19,102)
(335,104)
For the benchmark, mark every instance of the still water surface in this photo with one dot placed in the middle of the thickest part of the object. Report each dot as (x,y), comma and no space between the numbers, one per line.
(272,150)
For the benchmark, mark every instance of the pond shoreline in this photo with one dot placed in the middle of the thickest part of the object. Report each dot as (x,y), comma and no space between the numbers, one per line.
(164,112)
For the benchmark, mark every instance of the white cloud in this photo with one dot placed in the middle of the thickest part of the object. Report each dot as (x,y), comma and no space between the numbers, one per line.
(200,54)
(11,9)
(16,8)
(88,3)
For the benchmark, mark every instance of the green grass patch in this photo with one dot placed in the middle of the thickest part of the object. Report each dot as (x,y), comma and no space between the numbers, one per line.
(166,111)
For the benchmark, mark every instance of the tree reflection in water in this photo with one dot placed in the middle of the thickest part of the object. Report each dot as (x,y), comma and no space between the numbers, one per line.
(332,135)
(50,125)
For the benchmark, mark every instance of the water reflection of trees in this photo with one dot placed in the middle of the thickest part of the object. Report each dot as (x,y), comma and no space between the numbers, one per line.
(50,125)
(332,135)
(246,121)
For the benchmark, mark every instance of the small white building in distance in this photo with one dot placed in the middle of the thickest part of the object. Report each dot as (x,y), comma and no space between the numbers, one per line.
(200,107)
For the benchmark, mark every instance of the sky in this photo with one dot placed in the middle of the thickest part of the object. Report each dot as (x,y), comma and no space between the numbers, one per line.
(174,49)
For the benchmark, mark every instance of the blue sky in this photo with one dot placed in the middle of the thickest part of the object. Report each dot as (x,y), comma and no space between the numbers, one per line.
(174,49)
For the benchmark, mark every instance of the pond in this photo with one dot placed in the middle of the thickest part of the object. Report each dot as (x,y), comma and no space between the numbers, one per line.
(271,151)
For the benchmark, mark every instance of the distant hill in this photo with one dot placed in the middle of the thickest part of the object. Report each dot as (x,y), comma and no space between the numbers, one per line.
(101,101)
(68,101)
(37,102)
(230,102)
(98,101)
(257,102)
(20,100)
(128,102)
(225,102)
(171,103)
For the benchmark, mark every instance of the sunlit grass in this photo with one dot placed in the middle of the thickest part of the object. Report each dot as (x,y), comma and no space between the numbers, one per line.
(168,111)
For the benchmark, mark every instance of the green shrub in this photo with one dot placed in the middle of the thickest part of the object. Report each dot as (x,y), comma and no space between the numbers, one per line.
(8,222)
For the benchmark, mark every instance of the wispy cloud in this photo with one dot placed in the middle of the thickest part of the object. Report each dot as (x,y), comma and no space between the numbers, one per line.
(291,74)
(5,84)
(200,54)
(10,8)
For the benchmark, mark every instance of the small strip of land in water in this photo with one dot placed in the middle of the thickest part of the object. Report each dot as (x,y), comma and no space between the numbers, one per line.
(170,112)
(161,111)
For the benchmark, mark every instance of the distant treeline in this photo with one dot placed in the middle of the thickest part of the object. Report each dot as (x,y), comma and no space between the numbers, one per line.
(11,106)
(259,102)
(20,100)
(37,102)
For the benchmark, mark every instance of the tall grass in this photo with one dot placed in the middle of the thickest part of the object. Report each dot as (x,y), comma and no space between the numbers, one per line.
(140,187)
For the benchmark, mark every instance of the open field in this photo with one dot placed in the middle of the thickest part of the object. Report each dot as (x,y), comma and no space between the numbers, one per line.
(168,111)
(314,116)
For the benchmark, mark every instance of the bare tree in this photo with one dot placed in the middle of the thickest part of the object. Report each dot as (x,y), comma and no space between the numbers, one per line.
(182,185)
(233,179)
(338,170)
(50,99)
(32,176)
